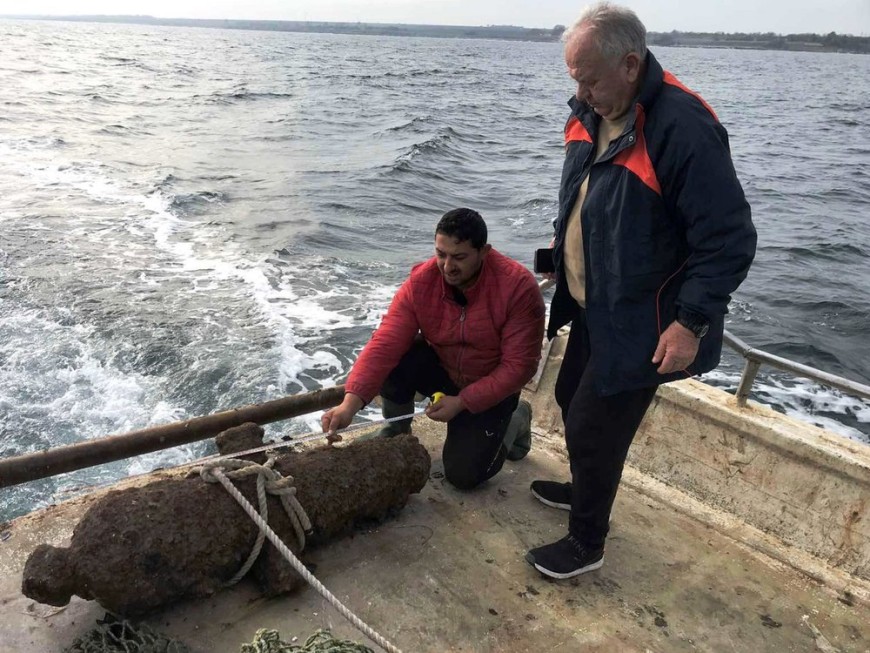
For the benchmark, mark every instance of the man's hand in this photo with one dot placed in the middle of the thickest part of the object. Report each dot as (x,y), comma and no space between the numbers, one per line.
(340,417)
(445,409)
(677,349)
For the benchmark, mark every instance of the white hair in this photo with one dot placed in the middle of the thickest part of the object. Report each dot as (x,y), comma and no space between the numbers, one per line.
(617,30)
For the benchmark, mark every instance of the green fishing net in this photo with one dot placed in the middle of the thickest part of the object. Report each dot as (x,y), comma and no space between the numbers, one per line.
(115,635)
(269,641)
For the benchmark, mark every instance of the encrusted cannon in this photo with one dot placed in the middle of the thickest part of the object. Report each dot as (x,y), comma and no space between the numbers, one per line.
(141,548)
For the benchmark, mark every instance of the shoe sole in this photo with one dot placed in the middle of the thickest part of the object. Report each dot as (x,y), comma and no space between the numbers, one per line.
(552,504)
(552,574)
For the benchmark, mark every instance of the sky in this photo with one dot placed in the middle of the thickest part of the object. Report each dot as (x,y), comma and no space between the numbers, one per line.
(780,16)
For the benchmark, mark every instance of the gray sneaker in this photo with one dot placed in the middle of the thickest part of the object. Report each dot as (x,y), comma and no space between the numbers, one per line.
(518,437)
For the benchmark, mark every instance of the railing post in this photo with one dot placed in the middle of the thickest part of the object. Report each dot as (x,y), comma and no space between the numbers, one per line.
(750,371)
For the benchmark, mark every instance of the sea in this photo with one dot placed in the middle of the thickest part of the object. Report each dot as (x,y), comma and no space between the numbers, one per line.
(198,219)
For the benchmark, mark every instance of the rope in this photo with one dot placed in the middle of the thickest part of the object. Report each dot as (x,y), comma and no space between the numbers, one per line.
(216,473)
(269,641)
(268,480)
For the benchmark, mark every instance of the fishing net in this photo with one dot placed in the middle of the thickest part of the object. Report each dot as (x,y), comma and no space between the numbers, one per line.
(322,641)
(114,635)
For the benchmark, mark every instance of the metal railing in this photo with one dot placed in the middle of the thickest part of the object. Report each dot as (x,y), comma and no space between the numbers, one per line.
(755,358)
(89,453)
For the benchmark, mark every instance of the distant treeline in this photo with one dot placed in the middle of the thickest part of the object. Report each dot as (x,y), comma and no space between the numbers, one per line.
(831,42)
(508,32)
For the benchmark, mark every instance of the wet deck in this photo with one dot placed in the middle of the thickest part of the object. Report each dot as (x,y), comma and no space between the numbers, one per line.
(448,575)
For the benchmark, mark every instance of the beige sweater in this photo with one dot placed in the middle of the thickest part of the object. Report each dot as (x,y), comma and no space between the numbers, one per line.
(575,266)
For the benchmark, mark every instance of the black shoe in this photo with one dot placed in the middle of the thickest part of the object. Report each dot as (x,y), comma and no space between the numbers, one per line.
(566,558)
(553,494)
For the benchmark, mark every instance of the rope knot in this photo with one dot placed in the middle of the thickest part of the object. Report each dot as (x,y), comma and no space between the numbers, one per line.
(269,480)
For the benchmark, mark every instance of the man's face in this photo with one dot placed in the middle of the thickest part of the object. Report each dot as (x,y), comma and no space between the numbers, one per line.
(459,261)
(608,86)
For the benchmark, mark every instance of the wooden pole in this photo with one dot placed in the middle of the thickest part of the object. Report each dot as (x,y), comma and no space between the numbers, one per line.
(69,458)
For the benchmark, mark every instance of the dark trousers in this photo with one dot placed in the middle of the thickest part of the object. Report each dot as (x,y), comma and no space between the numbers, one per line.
(473,450)
(598,433)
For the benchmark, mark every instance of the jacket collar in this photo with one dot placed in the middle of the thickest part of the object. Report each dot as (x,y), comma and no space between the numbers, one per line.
(652,82)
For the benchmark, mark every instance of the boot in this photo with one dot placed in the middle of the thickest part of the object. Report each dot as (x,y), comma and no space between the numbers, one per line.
(392,409)
(518,437)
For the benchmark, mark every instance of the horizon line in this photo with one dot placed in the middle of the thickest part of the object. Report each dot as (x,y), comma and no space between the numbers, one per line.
(358,22)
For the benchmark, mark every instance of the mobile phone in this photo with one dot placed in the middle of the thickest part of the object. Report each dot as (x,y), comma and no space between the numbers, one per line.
(544,263)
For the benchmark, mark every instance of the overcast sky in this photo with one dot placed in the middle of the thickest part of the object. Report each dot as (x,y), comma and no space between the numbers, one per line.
(781,16)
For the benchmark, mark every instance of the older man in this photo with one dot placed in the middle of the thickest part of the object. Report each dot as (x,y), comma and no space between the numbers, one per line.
(653,235)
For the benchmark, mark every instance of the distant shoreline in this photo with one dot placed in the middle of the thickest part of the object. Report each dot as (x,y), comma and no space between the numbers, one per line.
(831,42)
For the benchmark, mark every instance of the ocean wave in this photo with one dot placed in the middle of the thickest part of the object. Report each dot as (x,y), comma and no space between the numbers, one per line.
(414,124)
(537,203)
(438,144)
(800,350)
(241,95)
(824,251)
(166,182)
(196,203)
(122,130)
(100,99)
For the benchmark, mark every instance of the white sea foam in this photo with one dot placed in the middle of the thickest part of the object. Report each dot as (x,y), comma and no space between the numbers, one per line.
(204,266)
(804,400)
(53,374)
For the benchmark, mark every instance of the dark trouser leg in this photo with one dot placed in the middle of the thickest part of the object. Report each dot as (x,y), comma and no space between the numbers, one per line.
(598,433)
(419,370)
(474,450)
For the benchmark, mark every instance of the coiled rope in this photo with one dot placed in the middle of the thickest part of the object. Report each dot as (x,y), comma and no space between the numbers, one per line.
(213,471)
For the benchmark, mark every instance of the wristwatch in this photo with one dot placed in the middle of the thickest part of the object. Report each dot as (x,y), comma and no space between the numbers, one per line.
(694,322)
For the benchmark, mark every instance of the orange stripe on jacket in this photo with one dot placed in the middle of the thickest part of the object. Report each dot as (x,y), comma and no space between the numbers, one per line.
(636,158)
(673,81)
(575,131)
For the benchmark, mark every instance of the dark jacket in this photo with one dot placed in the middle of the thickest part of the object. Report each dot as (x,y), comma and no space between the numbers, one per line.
(665,226)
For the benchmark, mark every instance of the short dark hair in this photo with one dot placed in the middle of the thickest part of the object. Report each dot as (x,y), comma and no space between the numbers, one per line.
(463,224)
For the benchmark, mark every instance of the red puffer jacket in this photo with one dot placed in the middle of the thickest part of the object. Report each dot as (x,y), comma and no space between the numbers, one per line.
(490,347)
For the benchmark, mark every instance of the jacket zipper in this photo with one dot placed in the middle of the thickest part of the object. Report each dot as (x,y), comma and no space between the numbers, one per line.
(461,341)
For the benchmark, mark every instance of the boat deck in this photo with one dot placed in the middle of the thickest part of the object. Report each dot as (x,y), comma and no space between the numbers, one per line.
(448,574)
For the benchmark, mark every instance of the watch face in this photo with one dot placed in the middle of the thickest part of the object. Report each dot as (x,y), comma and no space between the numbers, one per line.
(702,330)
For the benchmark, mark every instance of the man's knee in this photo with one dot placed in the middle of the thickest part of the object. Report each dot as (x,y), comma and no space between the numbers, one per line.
(463,476)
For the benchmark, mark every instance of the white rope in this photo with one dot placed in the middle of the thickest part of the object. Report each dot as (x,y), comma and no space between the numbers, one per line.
(215,472)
